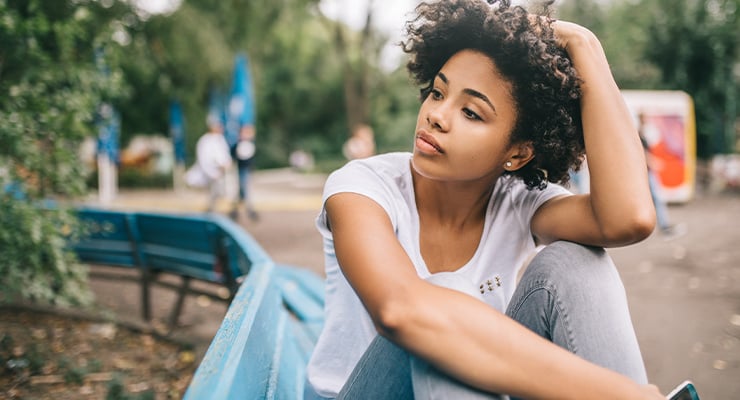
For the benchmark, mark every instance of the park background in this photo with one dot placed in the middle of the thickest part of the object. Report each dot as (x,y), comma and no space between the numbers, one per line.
(72,71)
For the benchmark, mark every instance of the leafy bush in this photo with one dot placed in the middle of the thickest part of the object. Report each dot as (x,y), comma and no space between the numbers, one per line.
(36,264)
(54,74)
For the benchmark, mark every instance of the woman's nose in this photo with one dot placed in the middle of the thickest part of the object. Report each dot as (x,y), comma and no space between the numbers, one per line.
(437,118)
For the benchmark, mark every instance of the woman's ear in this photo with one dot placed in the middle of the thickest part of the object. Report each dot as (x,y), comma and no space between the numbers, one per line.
(519,155)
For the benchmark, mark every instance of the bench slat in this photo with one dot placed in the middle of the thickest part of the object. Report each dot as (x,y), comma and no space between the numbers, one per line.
(299,301)
(292,376)
(220,373)
(305,340)
(310,283)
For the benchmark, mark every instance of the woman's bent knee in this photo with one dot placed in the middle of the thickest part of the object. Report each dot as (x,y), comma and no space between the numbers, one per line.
(566,264)
(573,295)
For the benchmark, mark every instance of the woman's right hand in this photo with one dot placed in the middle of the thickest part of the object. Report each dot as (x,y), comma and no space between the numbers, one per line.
(651,392)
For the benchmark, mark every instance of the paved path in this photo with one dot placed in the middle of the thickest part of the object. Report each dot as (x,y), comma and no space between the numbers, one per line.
(684,294)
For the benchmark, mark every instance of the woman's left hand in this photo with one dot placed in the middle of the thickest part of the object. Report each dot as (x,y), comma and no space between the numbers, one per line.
(569,33)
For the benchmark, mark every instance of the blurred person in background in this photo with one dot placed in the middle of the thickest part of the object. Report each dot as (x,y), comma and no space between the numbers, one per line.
(361,144)
(649,135)
(243,153)
(212,161)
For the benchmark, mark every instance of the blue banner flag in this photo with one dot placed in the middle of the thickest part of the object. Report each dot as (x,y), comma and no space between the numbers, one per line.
(109,126)
(107,119)
(177,131)
(240,110)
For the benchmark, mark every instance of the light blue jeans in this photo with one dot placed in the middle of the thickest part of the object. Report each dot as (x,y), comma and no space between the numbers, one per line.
(570,294)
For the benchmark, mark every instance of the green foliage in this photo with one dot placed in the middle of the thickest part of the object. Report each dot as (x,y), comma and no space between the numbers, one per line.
(52,88)
(136,178)
(395,106)
(299,96)
(191,52)
(696,46)
(180,56)
(689,45)
(297,74)
(35,262)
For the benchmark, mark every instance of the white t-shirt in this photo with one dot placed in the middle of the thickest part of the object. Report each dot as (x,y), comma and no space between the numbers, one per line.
(506,243)
(212,153)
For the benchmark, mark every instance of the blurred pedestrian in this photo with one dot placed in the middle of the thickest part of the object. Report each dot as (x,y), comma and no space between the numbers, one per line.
(301,160)
(361,144)
(243,153)
(212,161)
(649,136)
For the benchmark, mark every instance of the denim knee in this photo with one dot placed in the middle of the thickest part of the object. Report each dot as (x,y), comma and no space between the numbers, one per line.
(570,267)
(572,295)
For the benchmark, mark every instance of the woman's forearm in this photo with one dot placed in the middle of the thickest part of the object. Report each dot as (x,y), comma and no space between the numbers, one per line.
(620,195)
(484,348)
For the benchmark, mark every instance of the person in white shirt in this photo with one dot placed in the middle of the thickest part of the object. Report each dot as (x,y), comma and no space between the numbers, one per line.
(426,294)
(213,159)
(361,144)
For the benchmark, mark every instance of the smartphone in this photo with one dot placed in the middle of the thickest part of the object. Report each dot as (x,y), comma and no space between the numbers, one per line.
(684,391)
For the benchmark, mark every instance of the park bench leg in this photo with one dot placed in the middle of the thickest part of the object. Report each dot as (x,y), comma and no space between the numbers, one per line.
(181,293)
(146,308)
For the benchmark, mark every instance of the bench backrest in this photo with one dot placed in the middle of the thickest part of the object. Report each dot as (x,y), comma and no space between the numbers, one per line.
(197,246)
(185,245)
(109,238)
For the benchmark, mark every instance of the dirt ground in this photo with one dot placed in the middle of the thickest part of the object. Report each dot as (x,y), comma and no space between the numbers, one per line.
(66,357)
(684,293)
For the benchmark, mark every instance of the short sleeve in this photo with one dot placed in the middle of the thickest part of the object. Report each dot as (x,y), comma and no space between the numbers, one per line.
(529,201)
(360,177)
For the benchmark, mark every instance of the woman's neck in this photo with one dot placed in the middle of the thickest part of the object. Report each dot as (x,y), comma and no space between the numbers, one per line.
(451,204)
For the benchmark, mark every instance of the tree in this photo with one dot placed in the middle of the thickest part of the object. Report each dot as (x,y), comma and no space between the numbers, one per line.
(53,87)
(301,79)
(689,45)
(694,44)
(189,53)
(356,51)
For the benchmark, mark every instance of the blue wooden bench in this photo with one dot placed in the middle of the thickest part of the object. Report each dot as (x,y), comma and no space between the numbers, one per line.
(276,311)
(187,246)
(264,343)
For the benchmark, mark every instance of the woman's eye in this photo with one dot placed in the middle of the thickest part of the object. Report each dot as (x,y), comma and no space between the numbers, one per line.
(471,114)
(436,94)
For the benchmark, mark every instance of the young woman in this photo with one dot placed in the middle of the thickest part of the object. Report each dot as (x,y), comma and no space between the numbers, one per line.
(423,249)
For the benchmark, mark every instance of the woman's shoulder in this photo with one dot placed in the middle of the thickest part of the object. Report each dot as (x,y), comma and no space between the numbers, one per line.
(391,161)
(511,192)
(387,166)
(386,178)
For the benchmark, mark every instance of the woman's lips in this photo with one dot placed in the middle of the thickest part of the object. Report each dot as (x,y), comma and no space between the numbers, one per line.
(426,143)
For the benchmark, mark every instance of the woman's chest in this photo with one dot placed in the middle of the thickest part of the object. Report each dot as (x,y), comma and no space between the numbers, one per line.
(448,250)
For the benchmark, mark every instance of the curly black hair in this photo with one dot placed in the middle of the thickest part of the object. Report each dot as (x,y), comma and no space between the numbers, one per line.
(545,85)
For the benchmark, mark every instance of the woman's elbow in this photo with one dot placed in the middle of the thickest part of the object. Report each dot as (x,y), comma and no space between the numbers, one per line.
(389,317)
(631,230)
(399,315)
(642,228)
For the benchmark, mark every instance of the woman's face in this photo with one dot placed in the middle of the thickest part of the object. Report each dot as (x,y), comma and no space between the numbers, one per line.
(464,125)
